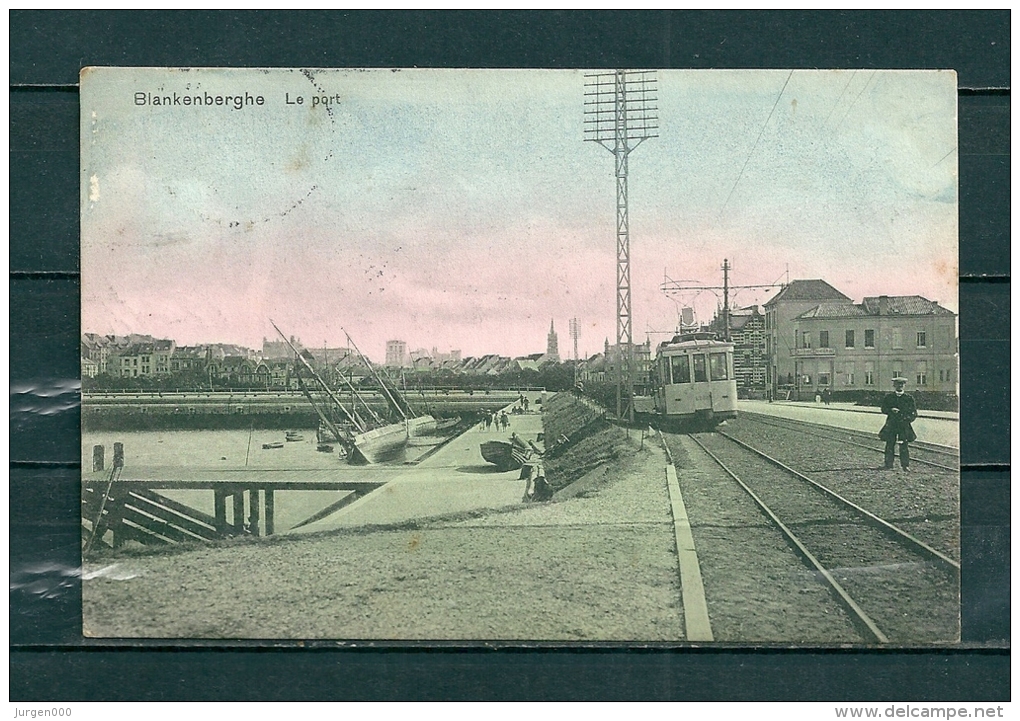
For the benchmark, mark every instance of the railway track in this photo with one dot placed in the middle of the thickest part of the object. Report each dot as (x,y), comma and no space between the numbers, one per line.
(893,587)
(938,456)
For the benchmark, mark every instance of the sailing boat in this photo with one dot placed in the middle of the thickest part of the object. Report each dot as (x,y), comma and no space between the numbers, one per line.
(363,435)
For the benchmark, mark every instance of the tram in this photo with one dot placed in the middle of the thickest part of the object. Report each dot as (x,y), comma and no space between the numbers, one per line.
(693,382)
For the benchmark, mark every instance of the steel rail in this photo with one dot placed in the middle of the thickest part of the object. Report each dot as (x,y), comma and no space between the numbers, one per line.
(926,445)
(789,423)
(861,619)
(896,531)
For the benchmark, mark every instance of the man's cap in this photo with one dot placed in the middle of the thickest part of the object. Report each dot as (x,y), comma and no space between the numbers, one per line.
(899,379)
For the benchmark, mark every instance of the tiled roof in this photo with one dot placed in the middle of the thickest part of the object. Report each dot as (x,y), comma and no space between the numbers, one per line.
(815,289)
(737,322)
(136,349)
(189,351)
(905,305)
(895,305)
(834,310)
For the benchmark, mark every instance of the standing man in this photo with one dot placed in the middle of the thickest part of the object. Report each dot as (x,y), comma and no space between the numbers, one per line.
(900,411)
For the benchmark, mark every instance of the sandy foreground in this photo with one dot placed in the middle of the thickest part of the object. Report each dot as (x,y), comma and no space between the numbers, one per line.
(599,566)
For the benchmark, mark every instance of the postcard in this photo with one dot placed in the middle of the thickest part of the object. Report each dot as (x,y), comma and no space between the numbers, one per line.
(631,356)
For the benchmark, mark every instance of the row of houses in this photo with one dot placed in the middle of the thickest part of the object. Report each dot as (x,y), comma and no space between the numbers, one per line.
(141,356)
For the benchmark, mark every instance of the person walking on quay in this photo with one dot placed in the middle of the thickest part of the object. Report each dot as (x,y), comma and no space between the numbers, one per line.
(900,411)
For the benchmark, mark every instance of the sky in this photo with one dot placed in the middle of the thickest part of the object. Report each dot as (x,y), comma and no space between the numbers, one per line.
(461,209)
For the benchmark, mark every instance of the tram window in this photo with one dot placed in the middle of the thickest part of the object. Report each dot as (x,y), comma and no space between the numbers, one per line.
(700,370)
(681,368)
(717,364)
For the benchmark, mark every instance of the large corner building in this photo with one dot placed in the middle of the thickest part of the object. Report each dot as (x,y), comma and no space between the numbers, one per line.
(798,297)
(818,340)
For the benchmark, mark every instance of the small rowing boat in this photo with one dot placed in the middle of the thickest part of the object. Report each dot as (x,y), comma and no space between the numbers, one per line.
(506,455)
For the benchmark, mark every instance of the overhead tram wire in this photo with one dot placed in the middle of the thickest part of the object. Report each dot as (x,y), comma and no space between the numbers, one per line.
(953,150)
(858,97)
(755,146)
(845,87)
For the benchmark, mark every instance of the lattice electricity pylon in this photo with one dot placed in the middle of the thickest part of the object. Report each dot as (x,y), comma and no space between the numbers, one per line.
(620,113)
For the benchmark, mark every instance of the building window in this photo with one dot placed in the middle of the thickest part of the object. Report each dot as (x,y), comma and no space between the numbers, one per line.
(922,339)
(869,339)
(897,338)
(921,373)
(823,339)
(805,339)
(849,339)
(850,378)
(823,379)
(806,380)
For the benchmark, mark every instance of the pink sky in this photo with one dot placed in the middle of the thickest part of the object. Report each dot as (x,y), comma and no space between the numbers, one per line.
(460,209)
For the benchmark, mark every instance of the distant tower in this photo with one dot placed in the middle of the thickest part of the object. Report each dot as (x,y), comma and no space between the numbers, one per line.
(552,348)
(396,353)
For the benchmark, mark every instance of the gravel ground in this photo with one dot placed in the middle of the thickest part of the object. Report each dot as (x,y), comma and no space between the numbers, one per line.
(909,599)
(598,566)
(924,501)
(756,587)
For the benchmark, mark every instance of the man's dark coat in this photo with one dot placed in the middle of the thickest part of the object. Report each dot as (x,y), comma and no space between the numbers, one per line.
(897,425)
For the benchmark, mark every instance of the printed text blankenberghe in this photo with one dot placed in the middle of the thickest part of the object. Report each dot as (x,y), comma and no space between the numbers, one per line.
(203,99)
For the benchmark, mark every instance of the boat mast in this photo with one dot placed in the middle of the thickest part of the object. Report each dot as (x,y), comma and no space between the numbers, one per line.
(322,384)
(378,379)
(342,436)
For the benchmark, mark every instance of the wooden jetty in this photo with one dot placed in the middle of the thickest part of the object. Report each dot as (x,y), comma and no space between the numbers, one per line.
(116,509)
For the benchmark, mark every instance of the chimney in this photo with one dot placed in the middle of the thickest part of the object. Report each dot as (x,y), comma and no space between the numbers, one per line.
(883,305)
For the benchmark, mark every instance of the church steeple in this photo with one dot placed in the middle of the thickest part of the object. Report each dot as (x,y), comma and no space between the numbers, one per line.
(552,348)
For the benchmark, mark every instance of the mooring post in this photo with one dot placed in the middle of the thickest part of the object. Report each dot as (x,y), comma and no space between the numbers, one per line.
(253,511)
(220,504)
(239,511)
(115,516)
(98,458)
(270,511)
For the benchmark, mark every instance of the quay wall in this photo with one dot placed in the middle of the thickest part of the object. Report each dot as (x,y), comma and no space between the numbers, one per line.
(268,410)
